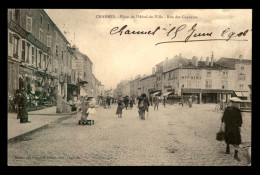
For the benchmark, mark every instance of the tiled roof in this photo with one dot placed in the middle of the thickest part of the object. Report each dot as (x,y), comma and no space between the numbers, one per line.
(201,65)
(232,61)
(147,77)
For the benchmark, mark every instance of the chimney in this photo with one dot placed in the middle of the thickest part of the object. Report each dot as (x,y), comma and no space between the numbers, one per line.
(207,61)
(196,61)
(201,59)
(180,55)
(153,70)
(211,63)
(240,57)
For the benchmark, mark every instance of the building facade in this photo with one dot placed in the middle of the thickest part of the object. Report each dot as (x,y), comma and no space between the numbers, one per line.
(40,59)
(206,82)
(242,79)
(38,54)
(147,84)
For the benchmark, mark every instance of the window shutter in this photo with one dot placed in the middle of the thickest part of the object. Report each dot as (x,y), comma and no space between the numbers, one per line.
(10,44)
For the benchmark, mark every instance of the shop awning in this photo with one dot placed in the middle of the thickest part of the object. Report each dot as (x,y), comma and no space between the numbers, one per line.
(245,94)
(83,92)
(156,93)
(242,94)
(239,94)
(167,93)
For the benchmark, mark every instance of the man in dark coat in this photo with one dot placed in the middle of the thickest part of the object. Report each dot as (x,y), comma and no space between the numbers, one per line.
(23,104)
(126,101)
(232,119)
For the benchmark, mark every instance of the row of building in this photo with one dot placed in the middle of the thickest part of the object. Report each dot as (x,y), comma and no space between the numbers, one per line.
(41,59)
(208,81)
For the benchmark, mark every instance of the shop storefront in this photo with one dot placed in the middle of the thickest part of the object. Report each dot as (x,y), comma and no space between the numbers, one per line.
(192,92)
(215,95)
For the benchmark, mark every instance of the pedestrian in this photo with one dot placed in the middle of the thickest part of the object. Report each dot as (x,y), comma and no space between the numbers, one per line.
(131,103)
(126,101)
(143,105)
(190,102)
(23,104)
(104,102)
(120,108)
(231,125)
(84,108)
(156,102)
(92,113)
(164,101)
(108,102)
(17,102)
(182,101)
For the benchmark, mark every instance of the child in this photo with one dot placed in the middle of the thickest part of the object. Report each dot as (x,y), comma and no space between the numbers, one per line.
(119,109)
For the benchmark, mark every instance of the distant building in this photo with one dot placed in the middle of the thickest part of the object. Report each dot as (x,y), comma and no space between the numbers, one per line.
(207,81)
(243,75)
(134,87)
(147,84)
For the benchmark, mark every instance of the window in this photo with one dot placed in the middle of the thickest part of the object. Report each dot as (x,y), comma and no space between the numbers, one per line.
(56,36)
(224,74)
(241,77)
(15,46)
(32,55)
(23,50)
(242,67)
(224,84)
(208,74)
(41,19)
(16,15)
(197,84)
(40,35)
(56,48)
(44,62)
(48,41)
(29,24)
(189,72)
(28,52)
(10,38)
(241,86)
(188,84)
(40,60)
(61,69)
(208,84)
(62,54)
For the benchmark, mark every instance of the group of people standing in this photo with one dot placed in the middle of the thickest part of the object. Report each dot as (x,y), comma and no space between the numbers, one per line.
(124,103)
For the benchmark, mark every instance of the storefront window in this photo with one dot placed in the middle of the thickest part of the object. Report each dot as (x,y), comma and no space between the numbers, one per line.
(208,84)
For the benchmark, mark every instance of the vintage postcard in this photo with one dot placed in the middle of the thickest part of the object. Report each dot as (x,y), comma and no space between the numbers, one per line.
(129,87)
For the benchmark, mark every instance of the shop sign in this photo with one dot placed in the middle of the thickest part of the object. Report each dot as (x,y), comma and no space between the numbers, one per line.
(16,28)
(216,91)
(77,65)
(190,90)
(37,43)
(168,86)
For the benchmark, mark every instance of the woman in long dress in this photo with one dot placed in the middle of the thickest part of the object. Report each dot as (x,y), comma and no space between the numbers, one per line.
(119,108)
(232,120)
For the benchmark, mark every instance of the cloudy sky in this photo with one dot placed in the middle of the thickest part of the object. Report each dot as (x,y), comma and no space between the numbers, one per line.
(116,57)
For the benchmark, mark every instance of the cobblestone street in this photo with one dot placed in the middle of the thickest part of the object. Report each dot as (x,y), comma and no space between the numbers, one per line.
(171,136)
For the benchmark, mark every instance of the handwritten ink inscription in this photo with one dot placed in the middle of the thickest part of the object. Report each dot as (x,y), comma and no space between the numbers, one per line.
(191,34)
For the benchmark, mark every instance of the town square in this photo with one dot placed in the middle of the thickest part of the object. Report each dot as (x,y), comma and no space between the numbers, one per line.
(90,87)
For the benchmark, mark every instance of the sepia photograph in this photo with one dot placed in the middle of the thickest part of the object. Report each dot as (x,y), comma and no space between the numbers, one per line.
(129,87)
